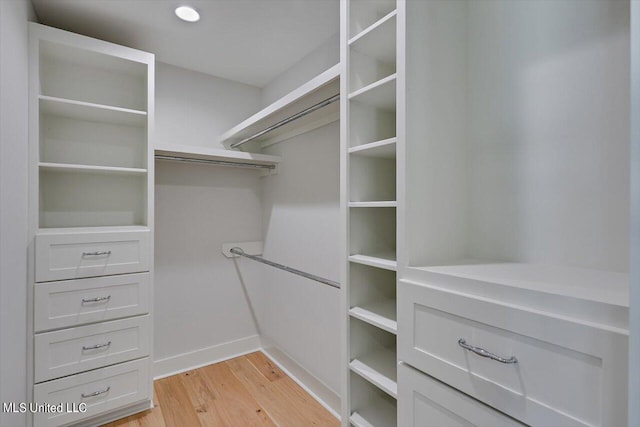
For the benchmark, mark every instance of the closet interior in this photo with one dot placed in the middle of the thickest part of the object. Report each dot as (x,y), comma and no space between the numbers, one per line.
(424,219)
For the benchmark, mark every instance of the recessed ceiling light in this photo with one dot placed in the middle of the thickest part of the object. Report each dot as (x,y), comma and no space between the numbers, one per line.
(187,13)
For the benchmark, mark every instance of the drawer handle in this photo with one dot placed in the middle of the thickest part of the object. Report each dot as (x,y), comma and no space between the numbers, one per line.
(98,299)
(97,253)
(484,353)
(96,393)
(95,347)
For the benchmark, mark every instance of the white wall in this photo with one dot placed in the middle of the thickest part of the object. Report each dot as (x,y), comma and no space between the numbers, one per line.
(195,109)
(13,204)
(320,59)
(301,218)
(199,299)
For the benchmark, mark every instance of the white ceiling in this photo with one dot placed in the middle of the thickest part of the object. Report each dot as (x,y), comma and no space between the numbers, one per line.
(250,41)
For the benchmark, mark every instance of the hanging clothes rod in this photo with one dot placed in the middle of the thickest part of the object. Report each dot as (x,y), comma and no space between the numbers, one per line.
(289,119)
(215,162)
(240,252)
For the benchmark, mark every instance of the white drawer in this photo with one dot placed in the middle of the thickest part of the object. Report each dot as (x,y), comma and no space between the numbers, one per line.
(75,302)
(103,390)
(425,402)
(74,350)
(567,373)
(71,255)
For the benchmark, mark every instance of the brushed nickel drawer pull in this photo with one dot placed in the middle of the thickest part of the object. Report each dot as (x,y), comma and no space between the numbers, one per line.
(96,393)
(484,353)
(97,346)
(97,253)
(98,299)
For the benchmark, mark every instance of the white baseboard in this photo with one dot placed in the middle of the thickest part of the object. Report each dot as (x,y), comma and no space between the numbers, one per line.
(206,356)
(328,398)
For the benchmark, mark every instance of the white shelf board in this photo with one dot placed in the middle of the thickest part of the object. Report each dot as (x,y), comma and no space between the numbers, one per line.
(385,149)
(205,153)
(380,94)
(580,283)
(380,369)
(99,229)
(386,261)
(317,89)
(378,204)
(378,40)
(63,167)
(380,413)
(91,112)
(381,314)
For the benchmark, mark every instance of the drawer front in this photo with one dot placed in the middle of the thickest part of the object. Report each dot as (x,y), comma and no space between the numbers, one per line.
(567,373)
(101,390)
(76,255)
(425,402)
(75,302)
(74,350)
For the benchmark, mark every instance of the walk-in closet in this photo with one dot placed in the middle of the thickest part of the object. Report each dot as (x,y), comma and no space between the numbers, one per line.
(367,213)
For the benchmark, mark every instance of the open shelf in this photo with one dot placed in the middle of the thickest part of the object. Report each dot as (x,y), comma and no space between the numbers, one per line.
(380,94)
(91,198)
(385,149)
(317,89)
(72,141)
(88,111)
(204,153)
(365,13)
(379,368)
(93,77)
(386,261)
(381,314)
(62,167)
(378,204)
(372,179)
(370,406)
(378,41)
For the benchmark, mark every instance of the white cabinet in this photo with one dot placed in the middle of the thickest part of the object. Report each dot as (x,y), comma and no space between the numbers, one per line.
(102,390)
(91,226)
(548,369)
(426,402)
(72,254)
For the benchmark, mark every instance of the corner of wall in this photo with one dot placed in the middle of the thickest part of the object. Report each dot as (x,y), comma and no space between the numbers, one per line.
(320,59)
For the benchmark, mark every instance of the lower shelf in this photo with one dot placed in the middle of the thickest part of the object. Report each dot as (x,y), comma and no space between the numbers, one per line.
(381,314)
(371,407)
(379,368)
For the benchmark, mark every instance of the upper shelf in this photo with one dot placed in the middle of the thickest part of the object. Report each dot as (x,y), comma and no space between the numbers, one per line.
(317,89)
(215,154)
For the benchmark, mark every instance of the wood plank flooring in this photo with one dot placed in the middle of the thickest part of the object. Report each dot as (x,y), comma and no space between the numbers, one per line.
(248,391)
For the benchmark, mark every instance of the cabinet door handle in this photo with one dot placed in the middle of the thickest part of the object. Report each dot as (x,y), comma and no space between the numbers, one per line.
(98,299)
(97,346)
(97,253)
(484,353)
(96,393)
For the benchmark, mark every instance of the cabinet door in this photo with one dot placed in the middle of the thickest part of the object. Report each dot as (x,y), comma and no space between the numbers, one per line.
(74,350)
(426,402)
(564,372)
(101,391)
(72,255)
(76,302)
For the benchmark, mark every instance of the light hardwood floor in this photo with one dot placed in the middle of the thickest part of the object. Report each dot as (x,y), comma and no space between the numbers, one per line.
(246,391)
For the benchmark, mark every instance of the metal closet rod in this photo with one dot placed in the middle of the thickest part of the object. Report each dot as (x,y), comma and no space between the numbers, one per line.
(214,162)
(289,119)
(240,252)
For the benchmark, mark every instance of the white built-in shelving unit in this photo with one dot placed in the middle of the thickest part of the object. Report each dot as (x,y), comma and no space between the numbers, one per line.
(370,204)
(91,226)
